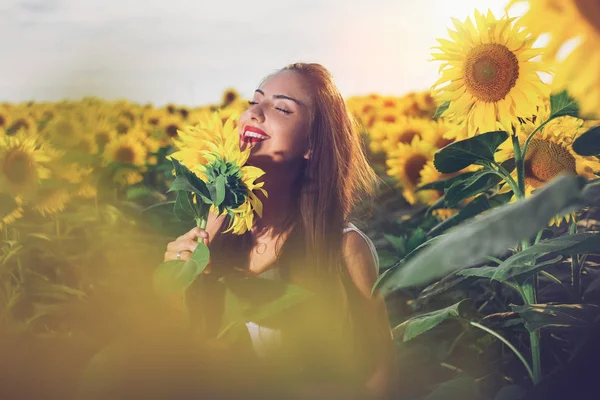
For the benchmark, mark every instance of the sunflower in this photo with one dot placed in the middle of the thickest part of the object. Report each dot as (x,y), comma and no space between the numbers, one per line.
(102,132)
(51,201)
(64,131)
(488,75)
(5,118)
(21,122)
(441,134)
(405,164)
(86,191)
(576,22)
(427,175)
(550,154)
(125,149)
(14,214)
(405,130)
(22,164)
(211,149)
(229,97)
(171,125)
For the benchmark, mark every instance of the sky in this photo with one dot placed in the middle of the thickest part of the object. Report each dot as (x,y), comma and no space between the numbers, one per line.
(188,52)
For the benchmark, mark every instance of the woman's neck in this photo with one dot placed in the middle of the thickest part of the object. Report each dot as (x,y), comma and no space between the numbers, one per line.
(280,204)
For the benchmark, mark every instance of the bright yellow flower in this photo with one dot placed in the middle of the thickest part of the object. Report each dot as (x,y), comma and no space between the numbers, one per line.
(550,153)
(13,215)
(405,164)
(489,76)
(576,22)
(126,149)
(211,144)
(405,130)
(23,164)
(51,201)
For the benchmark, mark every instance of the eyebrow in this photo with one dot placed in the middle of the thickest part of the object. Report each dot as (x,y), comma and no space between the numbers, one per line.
(281,96)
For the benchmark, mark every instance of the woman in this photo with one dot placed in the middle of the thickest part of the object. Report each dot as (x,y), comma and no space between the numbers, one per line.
(303,137)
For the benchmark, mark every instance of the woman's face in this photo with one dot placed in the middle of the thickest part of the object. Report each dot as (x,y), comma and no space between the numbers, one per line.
(276,123)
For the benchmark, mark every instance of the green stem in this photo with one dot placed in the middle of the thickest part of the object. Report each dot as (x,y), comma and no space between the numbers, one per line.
(575,268)
(510,346)
(519,165)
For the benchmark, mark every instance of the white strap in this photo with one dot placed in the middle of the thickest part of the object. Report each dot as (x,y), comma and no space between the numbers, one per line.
(352,227)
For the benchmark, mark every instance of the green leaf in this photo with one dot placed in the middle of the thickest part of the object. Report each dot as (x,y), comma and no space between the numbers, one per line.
(503,274)
(480,204)
(524,261)
(480,272)
(261,298)
(220,183)
(463,153)
(188,181)
(461,190)
(442,184)
(552,315)
(588,143)
(417,238)
(591,193)
(561,105)
(140,192)
(185,209)
(176,275)
(422,323)
(490,235)
(399,243)
(441,109)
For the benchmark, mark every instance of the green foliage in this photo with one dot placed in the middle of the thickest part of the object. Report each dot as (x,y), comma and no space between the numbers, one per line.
(557,316)
(561,104)
(422,323)
(490,235)
(588,143)
(461,154)
(440,110)
(477,183)
(175,276)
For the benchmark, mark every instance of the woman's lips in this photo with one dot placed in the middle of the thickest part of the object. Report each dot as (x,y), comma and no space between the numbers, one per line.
(252,135)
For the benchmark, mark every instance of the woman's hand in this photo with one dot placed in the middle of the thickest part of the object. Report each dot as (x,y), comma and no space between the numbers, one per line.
(186,244)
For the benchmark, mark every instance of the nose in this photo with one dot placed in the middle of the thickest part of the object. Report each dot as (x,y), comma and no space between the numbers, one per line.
(256,113)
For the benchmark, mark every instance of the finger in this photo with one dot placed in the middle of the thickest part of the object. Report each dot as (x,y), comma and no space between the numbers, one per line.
(172,255)
(189,245)
(193,233)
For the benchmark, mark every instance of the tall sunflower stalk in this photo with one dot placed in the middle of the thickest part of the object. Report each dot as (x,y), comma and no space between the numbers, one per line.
(490,88)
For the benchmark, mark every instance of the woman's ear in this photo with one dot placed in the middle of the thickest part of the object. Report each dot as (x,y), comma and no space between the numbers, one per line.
(307,154)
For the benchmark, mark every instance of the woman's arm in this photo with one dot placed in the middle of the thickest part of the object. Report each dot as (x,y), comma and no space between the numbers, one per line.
(363,272)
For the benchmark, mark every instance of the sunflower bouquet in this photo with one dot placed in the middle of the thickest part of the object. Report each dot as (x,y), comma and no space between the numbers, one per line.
(210,176)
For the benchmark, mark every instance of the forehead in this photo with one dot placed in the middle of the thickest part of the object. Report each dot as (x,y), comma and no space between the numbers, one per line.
(289,83)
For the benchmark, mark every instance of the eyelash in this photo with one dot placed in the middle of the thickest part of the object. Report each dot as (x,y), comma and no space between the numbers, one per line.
(277,108)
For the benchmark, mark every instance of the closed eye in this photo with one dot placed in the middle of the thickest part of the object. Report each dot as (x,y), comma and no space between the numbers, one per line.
(280,109)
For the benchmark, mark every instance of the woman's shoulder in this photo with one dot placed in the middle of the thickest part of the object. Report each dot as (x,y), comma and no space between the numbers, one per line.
(357,243)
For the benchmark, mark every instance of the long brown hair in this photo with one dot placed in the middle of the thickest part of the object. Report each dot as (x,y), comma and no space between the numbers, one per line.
(336,177)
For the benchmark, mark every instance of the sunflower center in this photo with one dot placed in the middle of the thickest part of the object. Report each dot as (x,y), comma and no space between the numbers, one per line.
(102,138)
(125,155)
(122,128)
(413,167)
(545,160)
(171,130)
(491,71)
(590,10)
(16,126)
(390,118)
(442,142)
(407,136)
(18,167)
(2,120)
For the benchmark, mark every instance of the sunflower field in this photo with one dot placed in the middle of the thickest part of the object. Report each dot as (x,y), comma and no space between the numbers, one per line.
(486,223)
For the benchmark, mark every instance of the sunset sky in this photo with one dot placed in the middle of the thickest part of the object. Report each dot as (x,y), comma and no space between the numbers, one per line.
(188,52)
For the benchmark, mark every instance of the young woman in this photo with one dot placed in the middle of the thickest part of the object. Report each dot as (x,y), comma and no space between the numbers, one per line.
(305,140)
